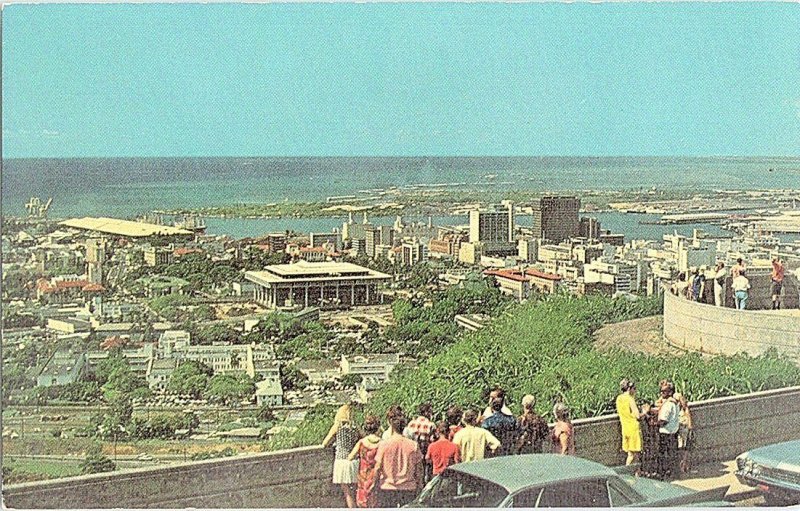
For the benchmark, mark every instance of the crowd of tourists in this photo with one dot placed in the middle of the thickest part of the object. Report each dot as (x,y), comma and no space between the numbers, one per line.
(703,286)
(388,468)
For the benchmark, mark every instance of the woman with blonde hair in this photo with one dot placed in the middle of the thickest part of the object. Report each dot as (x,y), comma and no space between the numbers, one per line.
(684,431)
(345,471)
(563,436)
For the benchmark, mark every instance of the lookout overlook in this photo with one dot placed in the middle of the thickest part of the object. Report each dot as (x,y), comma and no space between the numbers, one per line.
(300,477)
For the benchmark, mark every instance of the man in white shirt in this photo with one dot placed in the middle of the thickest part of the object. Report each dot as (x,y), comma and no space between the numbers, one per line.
(719,284)
(668,423)
(741,290)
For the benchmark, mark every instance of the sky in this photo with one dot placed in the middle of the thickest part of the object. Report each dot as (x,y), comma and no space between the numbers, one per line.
(405,79)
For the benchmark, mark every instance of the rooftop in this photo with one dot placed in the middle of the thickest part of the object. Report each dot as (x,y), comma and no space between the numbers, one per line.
(122,227)
(304,270)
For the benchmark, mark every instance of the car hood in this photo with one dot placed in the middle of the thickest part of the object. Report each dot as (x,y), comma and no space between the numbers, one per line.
(785,455)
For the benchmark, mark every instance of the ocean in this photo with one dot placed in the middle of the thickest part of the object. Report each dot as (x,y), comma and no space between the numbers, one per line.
(126,187)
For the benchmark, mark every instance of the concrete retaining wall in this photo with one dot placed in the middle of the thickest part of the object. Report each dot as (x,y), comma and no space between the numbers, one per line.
(291,478)
(721,330)
(725,427)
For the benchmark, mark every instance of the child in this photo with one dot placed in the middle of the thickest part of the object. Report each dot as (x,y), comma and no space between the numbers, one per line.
(442,452)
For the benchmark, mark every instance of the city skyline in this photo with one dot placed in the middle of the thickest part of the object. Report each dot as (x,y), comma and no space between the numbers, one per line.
(400,79)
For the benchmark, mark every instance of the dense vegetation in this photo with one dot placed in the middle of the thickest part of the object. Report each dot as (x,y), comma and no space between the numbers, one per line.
(545,348)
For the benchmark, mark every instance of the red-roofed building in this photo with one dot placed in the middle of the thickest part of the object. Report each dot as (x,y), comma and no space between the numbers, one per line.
(313,254)
(112,342)
(182,251)
(64,289)
(93,288)
(519,284)
(512,282)
(543,281)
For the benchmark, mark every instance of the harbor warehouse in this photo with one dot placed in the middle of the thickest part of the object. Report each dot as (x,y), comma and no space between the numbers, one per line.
(317,284)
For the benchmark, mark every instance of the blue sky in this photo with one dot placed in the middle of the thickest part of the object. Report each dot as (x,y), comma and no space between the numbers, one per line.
(401,79)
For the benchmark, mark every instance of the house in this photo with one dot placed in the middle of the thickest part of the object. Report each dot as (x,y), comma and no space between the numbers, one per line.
(159,371)
(269,392)
(63,368)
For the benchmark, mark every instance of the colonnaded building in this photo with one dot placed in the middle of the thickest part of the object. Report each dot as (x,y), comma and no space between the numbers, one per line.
(317,284)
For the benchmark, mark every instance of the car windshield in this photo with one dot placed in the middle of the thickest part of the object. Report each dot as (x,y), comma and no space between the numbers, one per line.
(455,489)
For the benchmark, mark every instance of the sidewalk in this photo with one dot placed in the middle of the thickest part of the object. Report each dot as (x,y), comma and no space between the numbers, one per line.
(707,476)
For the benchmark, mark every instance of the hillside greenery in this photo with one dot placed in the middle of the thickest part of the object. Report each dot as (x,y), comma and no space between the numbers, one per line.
(544,347)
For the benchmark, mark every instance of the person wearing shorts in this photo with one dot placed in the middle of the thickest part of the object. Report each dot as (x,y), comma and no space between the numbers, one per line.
(778,272)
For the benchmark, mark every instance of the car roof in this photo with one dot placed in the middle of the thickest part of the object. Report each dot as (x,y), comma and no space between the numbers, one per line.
(521,471)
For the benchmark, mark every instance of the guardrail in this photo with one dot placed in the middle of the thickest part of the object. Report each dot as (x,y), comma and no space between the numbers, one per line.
(724,427)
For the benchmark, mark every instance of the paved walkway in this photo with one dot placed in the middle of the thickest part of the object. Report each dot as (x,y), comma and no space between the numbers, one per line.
(708,476)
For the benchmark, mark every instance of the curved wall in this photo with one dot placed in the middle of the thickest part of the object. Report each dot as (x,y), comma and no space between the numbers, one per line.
(726,331)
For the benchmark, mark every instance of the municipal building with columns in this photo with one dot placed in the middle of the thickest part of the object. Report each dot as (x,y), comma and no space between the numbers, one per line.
(315,284)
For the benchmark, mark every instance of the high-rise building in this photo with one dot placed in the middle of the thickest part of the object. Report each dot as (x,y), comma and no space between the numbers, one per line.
(493,228)
(556,218)
(320,238)
(413,251)
(95,257)
(372,237)
(589,228)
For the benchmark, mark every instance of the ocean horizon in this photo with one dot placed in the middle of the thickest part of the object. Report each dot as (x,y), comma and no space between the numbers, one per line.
(130,186)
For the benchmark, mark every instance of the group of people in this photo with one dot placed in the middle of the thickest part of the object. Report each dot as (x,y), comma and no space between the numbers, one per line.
(700,286)
(660,433)
(389,469)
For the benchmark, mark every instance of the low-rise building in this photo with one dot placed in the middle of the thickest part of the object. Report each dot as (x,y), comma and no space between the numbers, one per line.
(63,367)
(375,369)
(269,392)
(317,284)
(159,370)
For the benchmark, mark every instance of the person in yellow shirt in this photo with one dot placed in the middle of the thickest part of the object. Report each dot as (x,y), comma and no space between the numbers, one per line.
(473,440)
(629,420)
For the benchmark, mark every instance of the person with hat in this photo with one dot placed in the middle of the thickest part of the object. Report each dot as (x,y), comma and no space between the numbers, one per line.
(629,420)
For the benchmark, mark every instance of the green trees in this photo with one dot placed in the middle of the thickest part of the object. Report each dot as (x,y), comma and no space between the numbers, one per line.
(217,333)
(190,378)
(292,378)
(351,380)
(229,389)
(96,462)
(116,378)
(421,331)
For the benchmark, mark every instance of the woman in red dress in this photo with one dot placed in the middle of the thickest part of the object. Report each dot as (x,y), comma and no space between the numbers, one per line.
(366,450)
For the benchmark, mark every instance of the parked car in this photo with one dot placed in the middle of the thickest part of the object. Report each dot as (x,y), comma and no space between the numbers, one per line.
(773,469)
(550,480)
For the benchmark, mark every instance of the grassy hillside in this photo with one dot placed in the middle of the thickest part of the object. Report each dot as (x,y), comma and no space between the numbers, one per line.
(545,348)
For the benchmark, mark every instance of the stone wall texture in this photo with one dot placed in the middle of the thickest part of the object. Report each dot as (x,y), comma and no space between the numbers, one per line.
(724,427)
(722,330)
